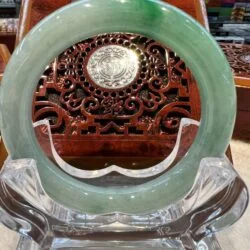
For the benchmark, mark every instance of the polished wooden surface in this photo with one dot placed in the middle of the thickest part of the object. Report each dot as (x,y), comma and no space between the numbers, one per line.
(3,153)
(33,11)
(242,126)
(4,53)
(195,8)
(2,66)
(8,38)
(4,58)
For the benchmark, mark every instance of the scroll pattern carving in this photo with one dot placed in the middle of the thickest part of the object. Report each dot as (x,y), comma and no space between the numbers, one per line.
(141,118)
(238,56)
(151,105)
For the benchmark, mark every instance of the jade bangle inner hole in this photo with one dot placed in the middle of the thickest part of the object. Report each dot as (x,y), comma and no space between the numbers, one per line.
(115,100)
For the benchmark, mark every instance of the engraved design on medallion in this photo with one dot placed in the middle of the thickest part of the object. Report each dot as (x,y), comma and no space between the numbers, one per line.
(113,66)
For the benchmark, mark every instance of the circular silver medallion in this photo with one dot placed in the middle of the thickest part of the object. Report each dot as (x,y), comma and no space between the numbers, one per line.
(113,66)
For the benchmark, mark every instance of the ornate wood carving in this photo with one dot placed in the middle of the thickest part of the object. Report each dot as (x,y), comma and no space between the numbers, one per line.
(146,112)
(238,56)
(93,144)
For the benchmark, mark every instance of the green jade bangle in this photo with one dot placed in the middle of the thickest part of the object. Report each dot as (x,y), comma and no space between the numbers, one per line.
(84,19)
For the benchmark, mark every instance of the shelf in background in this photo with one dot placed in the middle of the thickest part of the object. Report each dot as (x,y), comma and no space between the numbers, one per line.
(228,22)
(7,4)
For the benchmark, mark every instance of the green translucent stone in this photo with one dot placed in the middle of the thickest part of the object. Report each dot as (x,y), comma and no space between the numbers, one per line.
(85,19)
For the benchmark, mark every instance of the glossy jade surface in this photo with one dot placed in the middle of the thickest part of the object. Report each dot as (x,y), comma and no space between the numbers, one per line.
(84,19)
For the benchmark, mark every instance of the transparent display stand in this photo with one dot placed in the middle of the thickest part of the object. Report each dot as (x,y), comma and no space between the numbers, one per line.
(217,199)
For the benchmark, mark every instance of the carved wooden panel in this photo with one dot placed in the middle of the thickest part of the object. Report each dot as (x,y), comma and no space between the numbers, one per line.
(145,111)
(238,56)
(137,131)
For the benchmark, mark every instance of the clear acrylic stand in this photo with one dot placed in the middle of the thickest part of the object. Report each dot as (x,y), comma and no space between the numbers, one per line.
(217,199)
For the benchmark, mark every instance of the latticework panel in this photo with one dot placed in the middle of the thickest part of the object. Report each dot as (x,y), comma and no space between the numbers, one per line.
(238,56)
(114,108)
